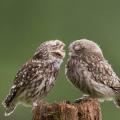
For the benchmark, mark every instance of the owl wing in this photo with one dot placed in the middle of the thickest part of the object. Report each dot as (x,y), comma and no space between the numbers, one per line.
(24,75)
(103,73)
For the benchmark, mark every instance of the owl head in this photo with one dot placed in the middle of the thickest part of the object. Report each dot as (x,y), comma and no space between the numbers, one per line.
(50,49)
(84,46)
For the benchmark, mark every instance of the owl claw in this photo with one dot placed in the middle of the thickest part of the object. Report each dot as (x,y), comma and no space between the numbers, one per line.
(78,100)
(35,104)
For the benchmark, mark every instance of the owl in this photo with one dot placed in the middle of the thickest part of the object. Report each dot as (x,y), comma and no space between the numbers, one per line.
(36,77)
(91,73)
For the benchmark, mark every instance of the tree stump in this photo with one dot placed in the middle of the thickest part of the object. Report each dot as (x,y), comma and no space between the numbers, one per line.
(86,109)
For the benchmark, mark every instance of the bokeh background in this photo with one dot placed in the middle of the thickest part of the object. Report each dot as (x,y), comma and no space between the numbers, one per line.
(24,24)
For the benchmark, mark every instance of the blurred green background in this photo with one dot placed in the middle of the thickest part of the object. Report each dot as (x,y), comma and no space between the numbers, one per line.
(24,24)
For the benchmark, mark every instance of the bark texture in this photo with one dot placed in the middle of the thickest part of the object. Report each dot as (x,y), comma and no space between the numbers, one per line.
(86,109)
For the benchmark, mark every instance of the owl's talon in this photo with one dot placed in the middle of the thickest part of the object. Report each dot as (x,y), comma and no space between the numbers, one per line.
(77,100)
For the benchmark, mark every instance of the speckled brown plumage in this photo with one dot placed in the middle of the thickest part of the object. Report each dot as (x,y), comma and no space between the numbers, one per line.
(89,71)
(36,78)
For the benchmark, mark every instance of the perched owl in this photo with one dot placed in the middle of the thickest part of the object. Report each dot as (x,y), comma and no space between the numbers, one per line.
(91,73)
(36,78)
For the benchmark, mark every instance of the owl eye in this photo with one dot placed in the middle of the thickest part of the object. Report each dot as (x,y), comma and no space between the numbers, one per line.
(57,43)
(77,48)
(57,54)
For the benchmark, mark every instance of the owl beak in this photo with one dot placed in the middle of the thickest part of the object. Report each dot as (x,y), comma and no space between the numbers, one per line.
(62,46)
(70,50)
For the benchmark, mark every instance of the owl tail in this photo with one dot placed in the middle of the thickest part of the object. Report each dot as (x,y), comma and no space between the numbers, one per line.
(9,107)
(10,103)
(9,110)
(117,100)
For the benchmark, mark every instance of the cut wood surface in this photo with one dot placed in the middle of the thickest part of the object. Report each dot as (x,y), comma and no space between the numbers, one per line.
(86,109)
